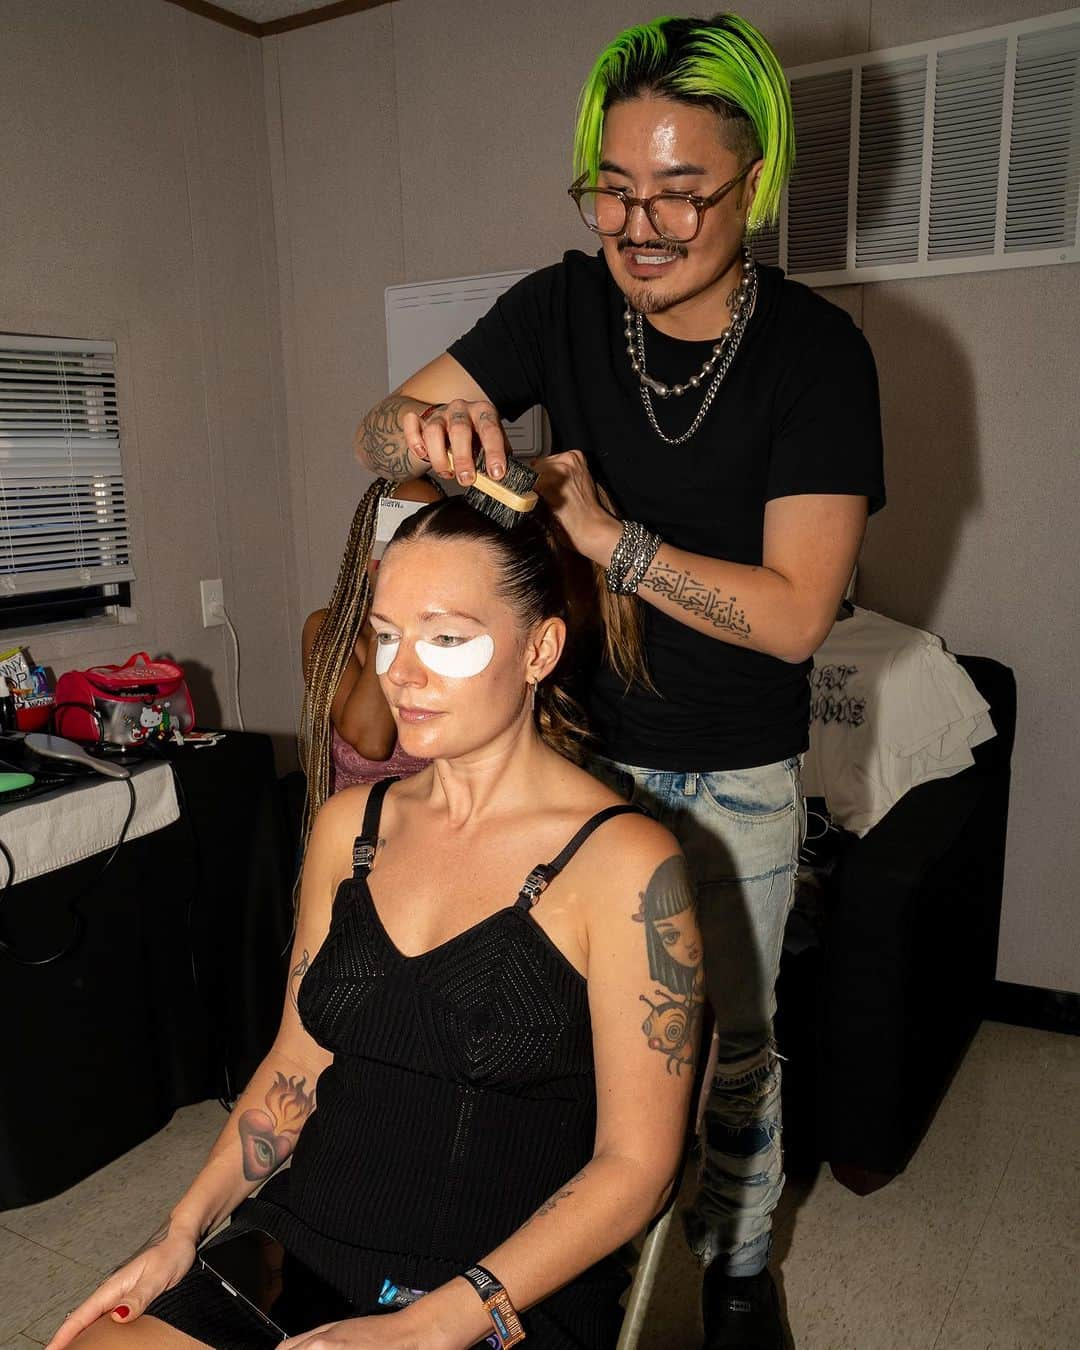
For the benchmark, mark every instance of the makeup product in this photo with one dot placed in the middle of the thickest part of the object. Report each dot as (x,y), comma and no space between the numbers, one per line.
(459,662)
(11,782)
(385,652)
(392,513)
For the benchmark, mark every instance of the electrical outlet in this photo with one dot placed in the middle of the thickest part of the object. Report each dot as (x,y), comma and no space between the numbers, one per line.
(213,595)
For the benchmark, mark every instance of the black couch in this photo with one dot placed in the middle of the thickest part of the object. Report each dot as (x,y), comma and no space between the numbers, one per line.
(889,969)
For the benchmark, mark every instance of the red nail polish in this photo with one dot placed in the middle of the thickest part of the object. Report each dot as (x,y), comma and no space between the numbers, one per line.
(122,1311)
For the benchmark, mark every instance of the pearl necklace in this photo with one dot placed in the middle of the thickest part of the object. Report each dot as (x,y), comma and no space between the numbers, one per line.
(723,352)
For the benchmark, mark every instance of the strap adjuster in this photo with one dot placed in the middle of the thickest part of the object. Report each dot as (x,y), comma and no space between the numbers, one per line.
(537,882)
(363,854)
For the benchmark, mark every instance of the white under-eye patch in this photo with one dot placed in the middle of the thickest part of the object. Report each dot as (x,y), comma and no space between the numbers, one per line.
(384,655)
(460,662)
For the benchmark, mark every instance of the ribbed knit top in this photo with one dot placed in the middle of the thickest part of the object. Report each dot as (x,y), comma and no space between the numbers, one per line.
(349,767)
(461,1096)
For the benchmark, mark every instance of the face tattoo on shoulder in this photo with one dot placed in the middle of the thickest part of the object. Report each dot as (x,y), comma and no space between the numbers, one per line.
(674,947)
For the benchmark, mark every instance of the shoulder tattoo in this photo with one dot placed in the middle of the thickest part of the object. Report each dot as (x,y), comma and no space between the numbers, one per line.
(668,915)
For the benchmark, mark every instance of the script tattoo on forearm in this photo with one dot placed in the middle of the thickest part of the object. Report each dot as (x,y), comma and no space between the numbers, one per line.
(268,1137)
(553,1200)
(722,611)
(673,943)
(381,439)
(296,976)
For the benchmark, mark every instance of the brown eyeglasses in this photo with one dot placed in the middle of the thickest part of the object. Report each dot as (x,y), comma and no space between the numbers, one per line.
(675,216)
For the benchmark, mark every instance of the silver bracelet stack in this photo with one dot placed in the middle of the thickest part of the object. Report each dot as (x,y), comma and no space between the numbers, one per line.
(631,557)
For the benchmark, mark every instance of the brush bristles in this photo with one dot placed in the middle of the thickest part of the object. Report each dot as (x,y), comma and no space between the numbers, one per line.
(518,481)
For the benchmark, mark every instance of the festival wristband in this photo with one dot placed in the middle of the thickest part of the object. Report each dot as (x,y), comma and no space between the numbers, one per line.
(496,1301)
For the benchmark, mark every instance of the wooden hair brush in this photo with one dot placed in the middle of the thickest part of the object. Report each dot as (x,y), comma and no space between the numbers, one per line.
(507,501)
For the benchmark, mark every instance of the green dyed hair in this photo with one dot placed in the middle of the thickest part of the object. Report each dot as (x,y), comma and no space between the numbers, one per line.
(722,63)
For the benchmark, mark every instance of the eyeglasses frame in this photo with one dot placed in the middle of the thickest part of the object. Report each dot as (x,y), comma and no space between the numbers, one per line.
(578,188)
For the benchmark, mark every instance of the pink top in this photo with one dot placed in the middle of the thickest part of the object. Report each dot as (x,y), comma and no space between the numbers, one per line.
(348,767)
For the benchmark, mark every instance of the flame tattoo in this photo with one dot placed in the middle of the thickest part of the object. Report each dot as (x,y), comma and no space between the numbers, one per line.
(268,1137)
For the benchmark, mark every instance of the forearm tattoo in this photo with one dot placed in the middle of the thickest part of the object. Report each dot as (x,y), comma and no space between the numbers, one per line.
(705,602)
(380,442)
(296,976)
(553,1200)
(155,1239)
(268,1137)
(667,911)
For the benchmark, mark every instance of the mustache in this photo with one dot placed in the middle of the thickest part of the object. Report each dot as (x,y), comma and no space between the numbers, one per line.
(655,246)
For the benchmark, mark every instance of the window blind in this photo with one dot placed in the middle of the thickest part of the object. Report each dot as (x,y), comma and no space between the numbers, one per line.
(63,514)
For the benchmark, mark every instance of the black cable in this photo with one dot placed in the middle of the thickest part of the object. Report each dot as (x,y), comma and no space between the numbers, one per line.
(78,922)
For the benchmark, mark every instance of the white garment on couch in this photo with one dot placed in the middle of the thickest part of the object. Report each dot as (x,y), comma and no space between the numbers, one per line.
(890,708)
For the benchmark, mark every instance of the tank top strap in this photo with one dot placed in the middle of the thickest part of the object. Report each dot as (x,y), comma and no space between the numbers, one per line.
(541,877)
(365,843)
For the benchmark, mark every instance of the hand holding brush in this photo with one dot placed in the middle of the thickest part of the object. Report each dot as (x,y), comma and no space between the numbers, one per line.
(445,436)
(451,435)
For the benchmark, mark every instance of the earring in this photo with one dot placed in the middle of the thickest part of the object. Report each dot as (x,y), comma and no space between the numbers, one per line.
(532,695)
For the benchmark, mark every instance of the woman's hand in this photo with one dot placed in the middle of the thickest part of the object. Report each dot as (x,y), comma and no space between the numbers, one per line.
(569,489)
(390,1331)
(135,1285)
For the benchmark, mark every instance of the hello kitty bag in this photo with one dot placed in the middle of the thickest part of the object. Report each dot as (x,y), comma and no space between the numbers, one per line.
(127,705)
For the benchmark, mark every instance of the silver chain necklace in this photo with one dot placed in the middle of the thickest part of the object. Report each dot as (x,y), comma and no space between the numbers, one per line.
(719,360)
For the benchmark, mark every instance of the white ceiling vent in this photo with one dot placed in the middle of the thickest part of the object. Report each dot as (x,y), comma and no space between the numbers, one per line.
(950,156)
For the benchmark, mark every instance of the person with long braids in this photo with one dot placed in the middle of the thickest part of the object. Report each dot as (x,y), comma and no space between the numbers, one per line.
(468,1082)
(347,733)
(732,417)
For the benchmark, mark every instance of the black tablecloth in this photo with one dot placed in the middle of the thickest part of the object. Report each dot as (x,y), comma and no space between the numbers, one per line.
(174,993)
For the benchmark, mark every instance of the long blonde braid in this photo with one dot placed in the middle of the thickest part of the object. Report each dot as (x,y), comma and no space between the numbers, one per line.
(334,644)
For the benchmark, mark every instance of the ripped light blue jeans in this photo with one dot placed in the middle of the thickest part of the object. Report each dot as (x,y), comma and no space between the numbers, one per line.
(741,831)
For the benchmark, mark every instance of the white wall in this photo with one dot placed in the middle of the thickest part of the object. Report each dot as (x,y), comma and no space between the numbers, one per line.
(430,138)
(136,206)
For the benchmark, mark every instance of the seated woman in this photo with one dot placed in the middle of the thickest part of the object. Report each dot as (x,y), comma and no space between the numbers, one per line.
(500,1081)
(347,730)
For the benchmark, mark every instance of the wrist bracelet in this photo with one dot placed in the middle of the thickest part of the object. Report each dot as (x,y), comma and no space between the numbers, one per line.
(496,1301)
(623,555)
(646,552)
(631,557)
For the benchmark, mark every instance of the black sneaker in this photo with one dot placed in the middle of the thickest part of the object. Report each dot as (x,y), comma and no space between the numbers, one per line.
(741,1312)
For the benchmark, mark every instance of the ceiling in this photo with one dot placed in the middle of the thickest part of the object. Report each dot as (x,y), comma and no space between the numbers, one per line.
(266,11)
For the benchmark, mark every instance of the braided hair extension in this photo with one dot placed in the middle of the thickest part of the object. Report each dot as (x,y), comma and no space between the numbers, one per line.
(333,645)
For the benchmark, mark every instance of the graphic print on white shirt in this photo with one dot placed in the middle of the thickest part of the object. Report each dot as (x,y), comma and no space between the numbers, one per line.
(889,709)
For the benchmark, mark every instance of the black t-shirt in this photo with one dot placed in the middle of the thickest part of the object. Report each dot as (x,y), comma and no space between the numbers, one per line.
(797,413)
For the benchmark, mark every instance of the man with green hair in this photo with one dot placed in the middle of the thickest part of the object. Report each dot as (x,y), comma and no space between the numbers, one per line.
(731,418)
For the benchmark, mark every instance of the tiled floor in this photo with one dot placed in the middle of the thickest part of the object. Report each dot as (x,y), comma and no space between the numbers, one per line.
(975,1247)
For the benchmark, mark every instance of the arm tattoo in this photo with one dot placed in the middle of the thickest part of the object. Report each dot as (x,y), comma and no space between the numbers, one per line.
(696,598)
(674,948)
(553,1200)
(381,440)
(268,1137)
(155,1238)
(296,976)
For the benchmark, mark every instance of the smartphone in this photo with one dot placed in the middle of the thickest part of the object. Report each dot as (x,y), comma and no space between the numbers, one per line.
(255,1268)
(249,1265)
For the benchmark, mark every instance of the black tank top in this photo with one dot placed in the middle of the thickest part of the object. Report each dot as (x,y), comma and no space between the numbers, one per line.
(462,1094)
